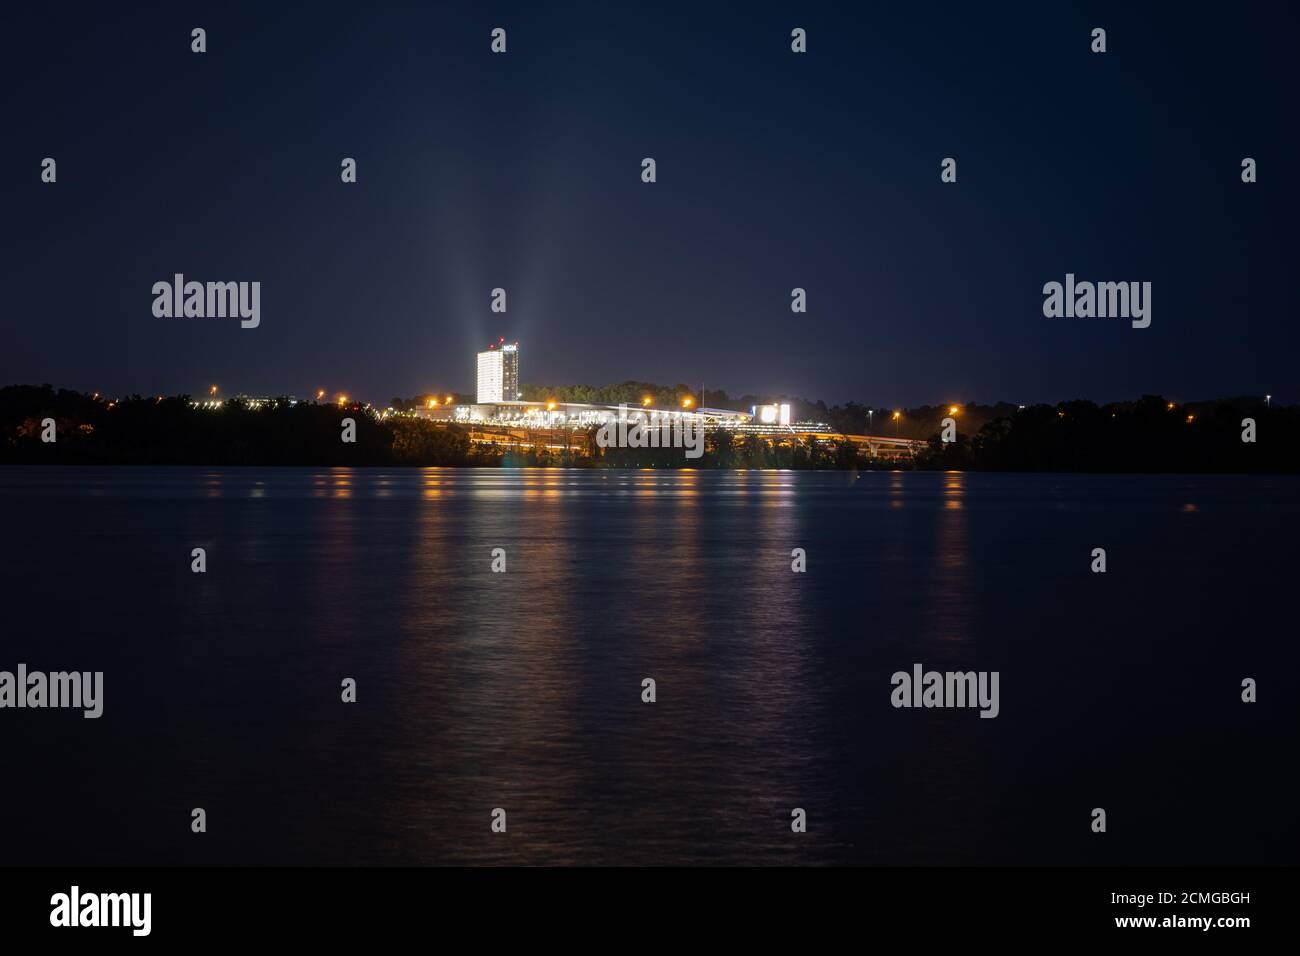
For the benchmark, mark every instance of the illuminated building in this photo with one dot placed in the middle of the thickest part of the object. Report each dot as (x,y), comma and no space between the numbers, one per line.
(498,373)
(771,414)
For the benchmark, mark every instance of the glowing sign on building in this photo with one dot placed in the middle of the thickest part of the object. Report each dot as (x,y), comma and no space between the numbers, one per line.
(771,414)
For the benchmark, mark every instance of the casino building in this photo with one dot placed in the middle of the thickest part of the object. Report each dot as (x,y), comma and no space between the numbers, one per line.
(498,402)
(498,373)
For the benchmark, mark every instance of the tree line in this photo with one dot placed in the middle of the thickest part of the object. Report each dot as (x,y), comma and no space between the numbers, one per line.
(1147,435)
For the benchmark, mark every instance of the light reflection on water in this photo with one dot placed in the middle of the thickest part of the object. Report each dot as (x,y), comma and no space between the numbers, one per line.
(523,689)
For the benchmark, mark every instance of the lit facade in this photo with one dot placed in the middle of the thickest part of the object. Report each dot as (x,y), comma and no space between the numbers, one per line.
(771,414)
(577,415)
(498,373)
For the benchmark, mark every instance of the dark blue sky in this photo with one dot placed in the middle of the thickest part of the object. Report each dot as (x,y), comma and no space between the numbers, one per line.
(775,170)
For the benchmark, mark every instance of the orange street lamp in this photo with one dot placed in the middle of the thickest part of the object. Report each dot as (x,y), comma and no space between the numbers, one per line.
(687,402)
(212,390)
(953,409)
(550,406)
(320,393)
(451,400)
(645,402)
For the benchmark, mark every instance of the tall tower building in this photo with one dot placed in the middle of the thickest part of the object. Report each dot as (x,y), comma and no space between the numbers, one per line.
(498,373)
(510,390)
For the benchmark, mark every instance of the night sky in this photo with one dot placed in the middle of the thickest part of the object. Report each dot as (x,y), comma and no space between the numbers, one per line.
(775,170)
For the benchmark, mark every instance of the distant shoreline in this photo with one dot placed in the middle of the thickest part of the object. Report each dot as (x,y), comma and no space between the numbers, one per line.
(39,425)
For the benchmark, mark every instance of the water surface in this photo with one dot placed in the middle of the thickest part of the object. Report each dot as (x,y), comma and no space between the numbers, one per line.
(522,690)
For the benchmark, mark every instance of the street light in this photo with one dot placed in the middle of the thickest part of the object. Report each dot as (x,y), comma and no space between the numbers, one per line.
(953,409)
(687,402)
(897,416)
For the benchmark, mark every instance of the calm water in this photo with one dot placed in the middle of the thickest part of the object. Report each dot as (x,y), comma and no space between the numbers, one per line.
(522,690)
